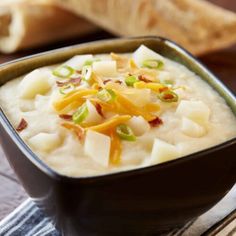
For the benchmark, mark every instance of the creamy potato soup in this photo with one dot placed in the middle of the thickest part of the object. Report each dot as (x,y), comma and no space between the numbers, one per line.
(97,114)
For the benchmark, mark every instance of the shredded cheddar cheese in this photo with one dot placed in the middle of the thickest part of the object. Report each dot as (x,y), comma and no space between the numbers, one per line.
(71,107)
(152,107)
(132,108)
(153,86)
(96,79)
(110,101)
(78,130)
(95,86)
(116,149)
(78,96)
(106,106)
(132,64)
(110,124)
(121,61)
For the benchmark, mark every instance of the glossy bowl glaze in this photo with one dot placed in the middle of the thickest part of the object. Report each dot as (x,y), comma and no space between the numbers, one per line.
(138,202)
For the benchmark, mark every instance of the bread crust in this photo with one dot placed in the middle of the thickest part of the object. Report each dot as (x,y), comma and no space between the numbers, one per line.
(27,24)
(197,25)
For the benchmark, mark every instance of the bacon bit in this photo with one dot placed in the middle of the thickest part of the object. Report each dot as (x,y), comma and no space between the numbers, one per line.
(118,81)
(109,80)
(60,84)
(96,86)
(22,125)
(66,116)
(99,109)
(74,81)
(78,130)
(144,79)
(163,89)
(156,122)
(168,96)
(106,81)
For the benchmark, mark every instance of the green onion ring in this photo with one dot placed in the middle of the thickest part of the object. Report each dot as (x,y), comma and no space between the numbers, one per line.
(153,64)
(67,88)
(106,95)
(86,73)
(63,71)
(125,133)
(168,96)
(168,82)
(80,115)
(90,62)
(130,80)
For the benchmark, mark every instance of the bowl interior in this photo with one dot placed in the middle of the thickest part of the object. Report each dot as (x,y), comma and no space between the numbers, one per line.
(164,47)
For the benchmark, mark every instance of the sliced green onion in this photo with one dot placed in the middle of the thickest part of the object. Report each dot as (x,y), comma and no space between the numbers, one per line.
(63,71)
(80,115)
(90,62)
(130,80)
(125,132)
(168,96)
(67,88)
(153,64)
(86,73)
(106,95)
(168,82)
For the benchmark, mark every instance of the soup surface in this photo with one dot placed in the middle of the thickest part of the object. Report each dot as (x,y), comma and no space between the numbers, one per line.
(97,114)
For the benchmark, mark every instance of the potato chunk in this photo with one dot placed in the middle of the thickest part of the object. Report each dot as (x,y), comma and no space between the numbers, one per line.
(140,97)
(97,146)
(45,142)
(197,111)
(143,53)
(105,68)
(163,151)
(192,128)
(36,82)
(77,62)
(138,125)
(93,116)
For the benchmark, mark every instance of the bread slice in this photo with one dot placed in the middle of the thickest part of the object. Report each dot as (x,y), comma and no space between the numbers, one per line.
(26,24)
(197,25)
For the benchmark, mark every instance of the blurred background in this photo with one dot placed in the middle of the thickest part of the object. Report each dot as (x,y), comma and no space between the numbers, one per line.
(206,28)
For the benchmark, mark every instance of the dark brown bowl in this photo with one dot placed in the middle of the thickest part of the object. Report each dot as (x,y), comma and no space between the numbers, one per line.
(137,202)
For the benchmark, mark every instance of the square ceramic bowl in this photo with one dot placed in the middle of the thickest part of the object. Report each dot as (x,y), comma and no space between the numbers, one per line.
(137,202)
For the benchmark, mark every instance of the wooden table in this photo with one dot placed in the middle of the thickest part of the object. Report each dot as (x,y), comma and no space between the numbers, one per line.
(222,63)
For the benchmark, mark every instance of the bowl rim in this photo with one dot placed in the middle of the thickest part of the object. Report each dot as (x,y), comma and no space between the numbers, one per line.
(32,157)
